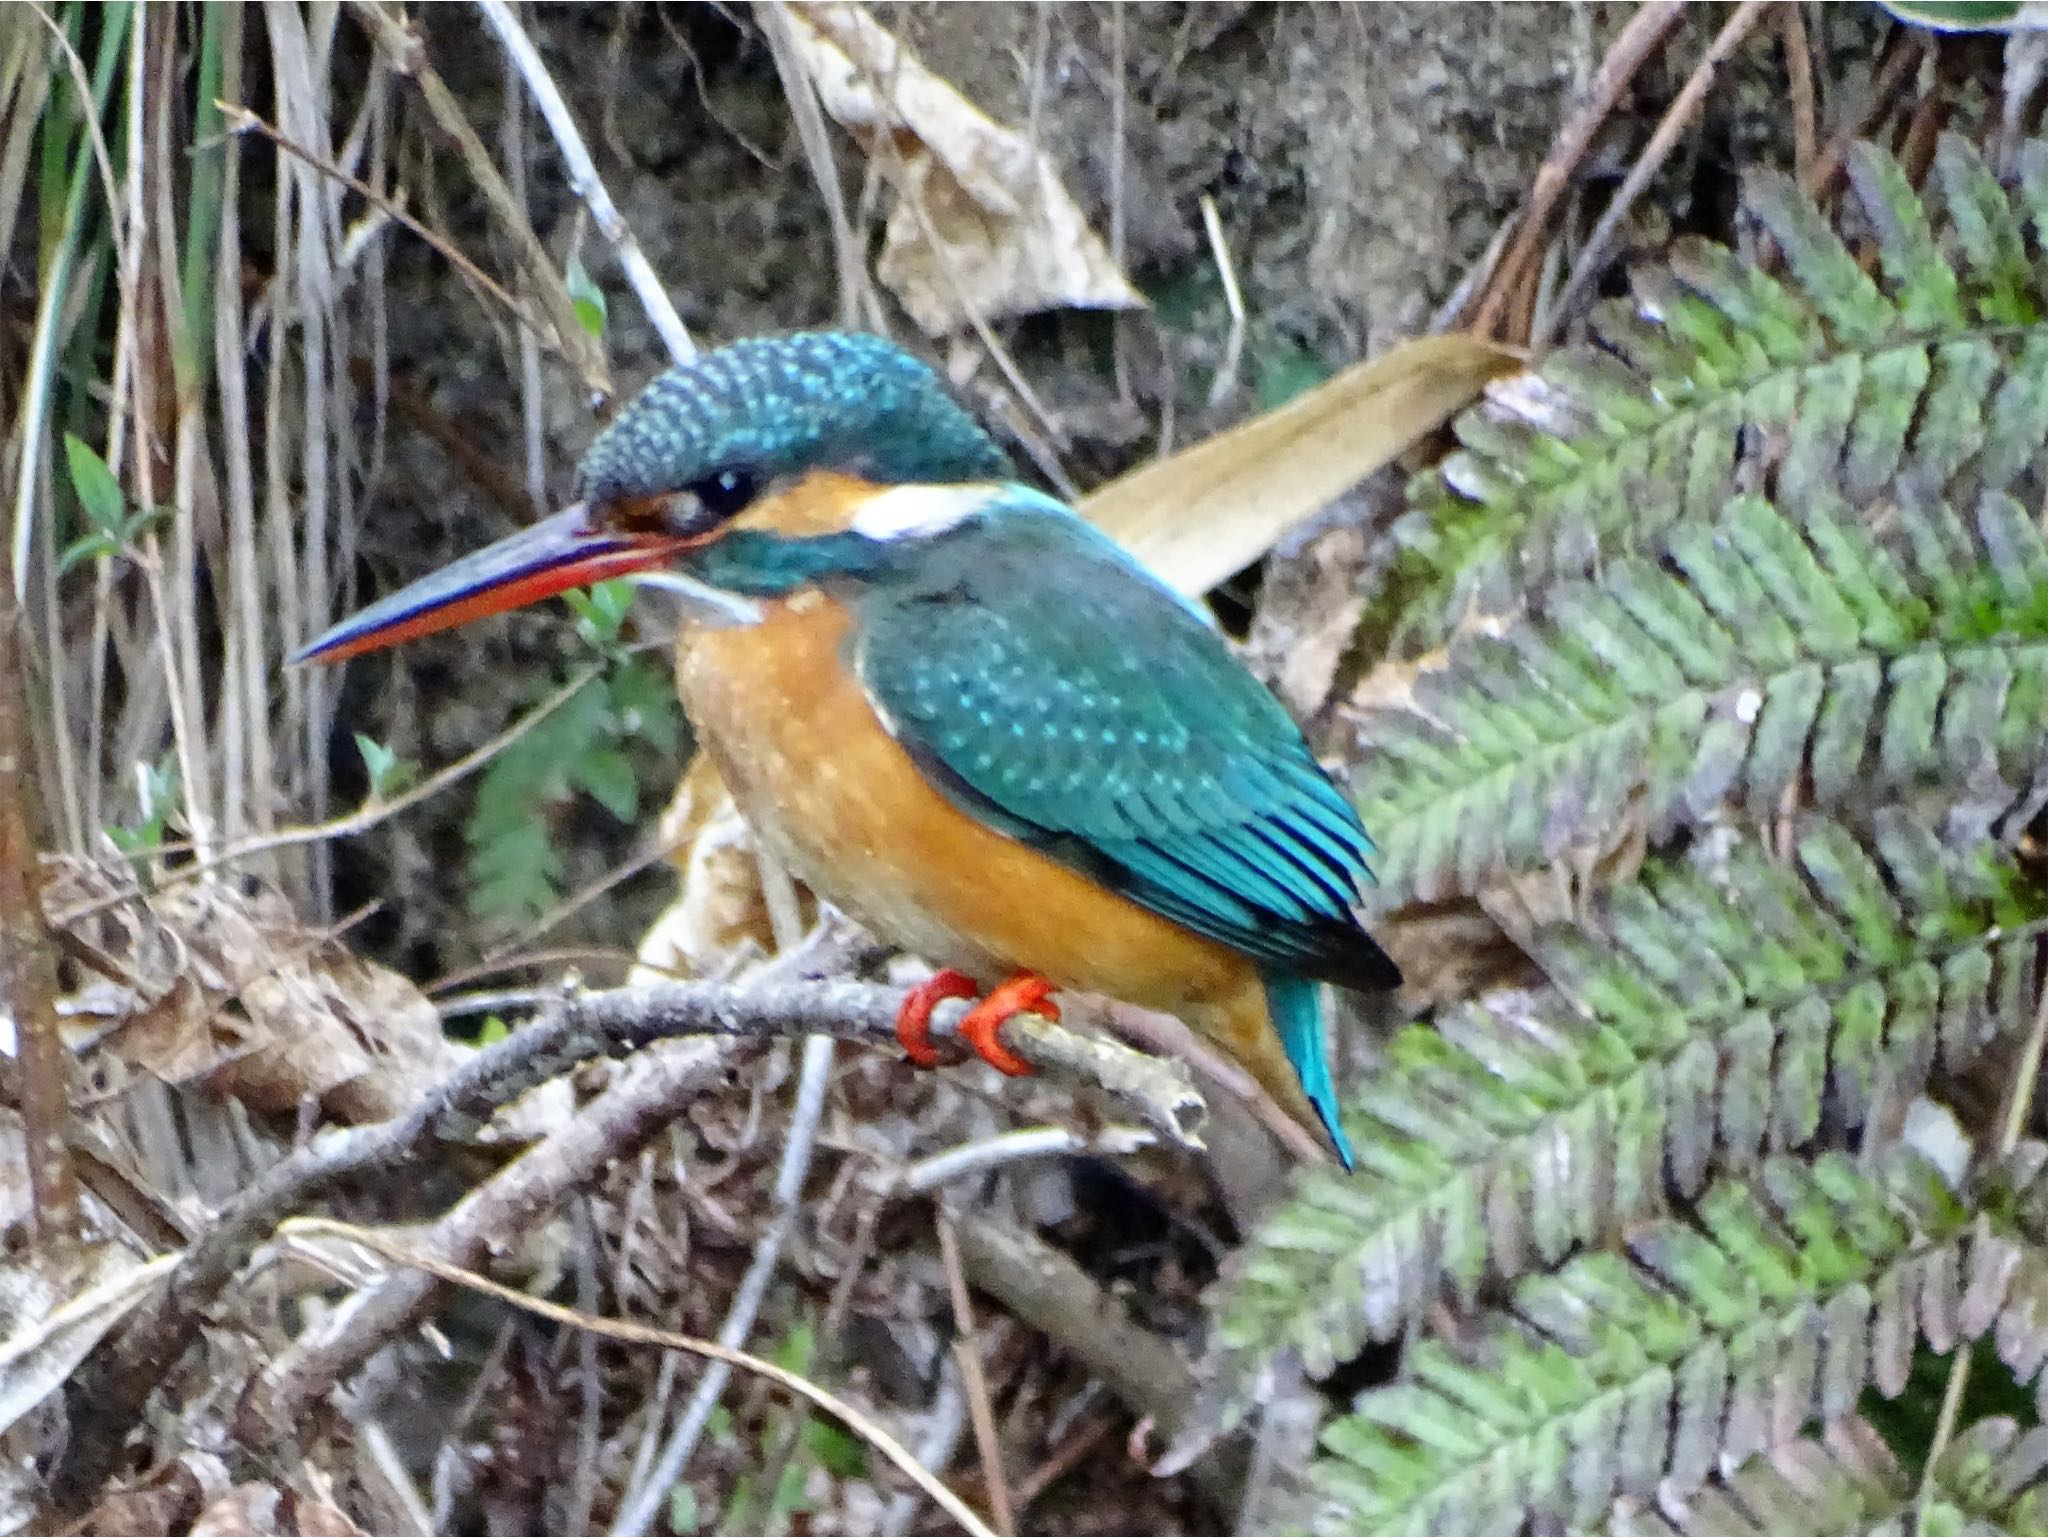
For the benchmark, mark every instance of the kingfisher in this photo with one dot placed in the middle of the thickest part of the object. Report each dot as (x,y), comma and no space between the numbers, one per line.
(956,709)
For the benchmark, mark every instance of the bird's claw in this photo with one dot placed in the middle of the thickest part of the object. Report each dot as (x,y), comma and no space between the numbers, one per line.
(914,1018)
(1024,994)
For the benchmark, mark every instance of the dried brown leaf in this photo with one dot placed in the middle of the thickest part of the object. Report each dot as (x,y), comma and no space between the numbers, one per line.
(982,225)
(229,992)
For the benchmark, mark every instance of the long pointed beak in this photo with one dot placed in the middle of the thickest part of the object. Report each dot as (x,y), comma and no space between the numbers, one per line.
(554,555)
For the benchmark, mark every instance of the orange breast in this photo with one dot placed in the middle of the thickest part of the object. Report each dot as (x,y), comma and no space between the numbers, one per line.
(822,781)
(828,789)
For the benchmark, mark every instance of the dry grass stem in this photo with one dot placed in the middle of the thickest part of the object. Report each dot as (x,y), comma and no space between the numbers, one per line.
(585,182)
(860,1425)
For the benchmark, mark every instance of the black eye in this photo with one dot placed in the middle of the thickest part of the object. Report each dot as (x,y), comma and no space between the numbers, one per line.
(723,495)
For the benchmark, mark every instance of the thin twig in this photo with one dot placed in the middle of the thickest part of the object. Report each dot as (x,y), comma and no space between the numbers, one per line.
(407,56)
(1644,34)
(985,1154)
(857,297)
(1233,297)
(1799,86)
(241,120)
(585,182)
(967,1352)
(943,1425)
(1046,1289)
(861,1425)
(370,814)
(532,414)
(1593,259)
(642,1505)
(1898,66)
(28,982)
(118,1381)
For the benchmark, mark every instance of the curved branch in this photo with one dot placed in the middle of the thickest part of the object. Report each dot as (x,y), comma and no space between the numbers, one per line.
(117,1381)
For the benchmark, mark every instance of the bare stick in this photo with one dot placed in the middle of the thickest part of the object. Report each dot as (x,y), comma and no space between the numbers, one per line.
(118,1380)
(584,180)
(241,120)
(985,1154)
(27,979)
(1799,85)
(1047,1290)
(856,292)
(1233,346)
(1645,32)
(372,812)
(1593,260)
(967,1353)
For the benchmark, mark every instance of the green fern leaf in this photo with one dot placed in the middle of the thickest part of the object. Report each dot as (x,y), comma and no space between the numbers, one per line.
(1846,1481)
(1782,1300)
(1761,663)
(1703,1019)
(1810,387)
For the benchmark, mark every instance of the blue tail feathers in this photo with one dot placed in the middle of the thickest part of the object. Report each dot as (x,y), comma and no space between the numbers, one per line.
(1296,1004)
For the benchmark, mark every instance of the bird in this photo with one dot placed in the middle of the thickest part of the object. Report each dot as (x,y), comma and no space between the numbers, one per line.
(956,709)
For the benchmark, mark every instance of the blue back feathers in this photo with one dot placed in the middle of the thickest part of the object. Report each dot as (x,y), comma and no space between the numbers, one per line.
(1056,691)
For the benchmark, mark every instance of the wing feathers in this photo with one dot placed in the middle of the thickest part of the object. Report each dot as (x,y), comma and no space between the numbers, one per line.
(1063,696)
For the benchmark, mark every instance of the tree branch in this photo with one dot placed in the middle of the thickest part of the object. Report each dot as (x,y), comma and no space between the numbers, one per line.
(27,979)
(117,1381)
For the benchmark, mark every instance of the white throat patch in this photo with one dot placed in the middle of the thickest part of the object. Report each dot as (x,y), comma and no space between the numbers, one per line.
(908,512)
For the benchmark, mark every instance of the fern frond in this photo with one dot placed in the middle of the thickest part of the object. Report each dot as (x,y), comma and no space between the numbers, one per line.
(1701,1020)
(1763,662)
(1722,377)
(1784,1299)
(1847,1482)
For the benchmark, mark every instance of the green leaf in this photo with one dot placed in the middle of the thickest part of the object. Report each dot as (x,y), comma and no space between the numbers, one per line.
(99,494)
(609,777)
(789,1499)
(842,1454)
(129,840)
(643,703)
(601,611)
(1956,15)
(682,1510)
(386,770)
(586,297)
(91,547)
(794,1351)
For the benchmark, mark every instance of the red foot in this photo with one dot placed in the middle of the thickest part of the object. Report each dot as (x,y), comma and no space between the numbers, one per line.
(914,1019)
(1024,994)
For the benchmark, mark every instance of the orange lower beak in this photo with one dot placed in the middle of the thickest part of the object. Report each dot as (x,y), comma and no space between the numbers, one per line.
(556,554)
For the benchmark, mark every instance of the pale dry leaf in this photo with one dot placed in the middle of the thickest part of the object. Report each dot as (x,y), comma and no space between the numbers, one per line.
(720,915)
(1204,514)
(982,225)
(229,992)
(49,1333)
